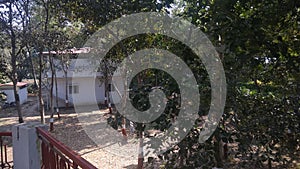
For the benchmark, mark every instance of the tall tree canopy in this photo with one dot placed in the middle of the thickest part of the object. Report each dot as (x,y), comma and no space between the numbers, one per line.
(257,41)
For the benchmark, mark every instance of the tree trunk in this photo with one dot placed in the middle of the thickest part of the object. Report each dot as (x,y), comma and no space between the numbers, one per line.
(51,85)
(14,76)
(56,95)
(105,94)
(141,151)
(218,147)
(41,101)
(32,69)
(45,36)
(106,90)
(269,163)
(141,129)
(17,101)
(67,85)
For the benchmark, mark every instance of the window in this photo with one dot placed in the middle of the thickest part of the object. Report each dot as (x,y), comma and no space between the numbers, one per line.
(73,89)
(111,87)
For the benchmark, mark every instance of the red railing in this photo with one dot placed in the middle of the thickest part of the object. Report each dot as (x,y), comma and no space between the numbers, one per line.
(55,155)
(3,149)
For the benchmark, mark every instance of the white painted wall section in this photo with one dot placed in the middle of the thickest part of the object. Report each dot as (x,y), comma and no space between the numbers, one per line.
(26,146)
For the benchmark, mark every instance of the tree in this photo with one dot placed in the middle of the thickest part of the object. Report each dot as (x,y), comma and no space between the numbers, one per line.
(58,42)
(14,31)
(40,22)
(49,34)
(257,42)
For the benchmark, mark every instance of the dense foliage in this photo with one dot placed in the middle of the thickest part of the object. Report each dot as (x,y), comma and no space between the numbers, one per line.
(258,43)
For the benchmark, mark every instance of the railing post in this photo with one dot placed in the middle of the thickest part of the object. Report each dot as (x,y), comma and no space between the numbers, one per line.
(3,150)
(26,146)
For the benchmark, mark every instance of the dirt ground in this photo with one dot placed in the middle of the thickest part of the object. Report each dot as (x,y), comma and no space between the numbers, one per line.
(68,130)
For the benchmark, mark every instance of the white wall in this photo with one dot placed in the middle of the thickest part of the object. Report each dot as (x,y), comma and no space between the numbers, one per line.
(9,95)
(26,146)
(83,68)
(99,91)
(61,93)
(23,95)
(90,90)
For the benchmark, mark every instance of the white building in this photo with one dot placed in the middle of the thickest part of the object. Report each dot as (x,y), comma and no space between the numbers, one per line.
(85,86)
(7,88)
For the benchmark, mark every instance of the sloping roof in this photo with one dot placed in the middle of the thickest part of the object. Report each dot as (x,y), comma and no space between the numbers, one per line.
(69,51)
(6,85)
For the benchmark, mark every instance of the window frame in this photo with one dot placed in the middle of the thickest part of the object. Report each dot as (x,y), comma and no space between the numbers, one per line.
(73,89)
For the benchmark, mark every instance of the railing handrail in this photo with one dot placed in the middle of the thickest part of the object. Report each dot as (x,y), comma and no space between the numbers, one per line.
(75,157)
(5,134)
